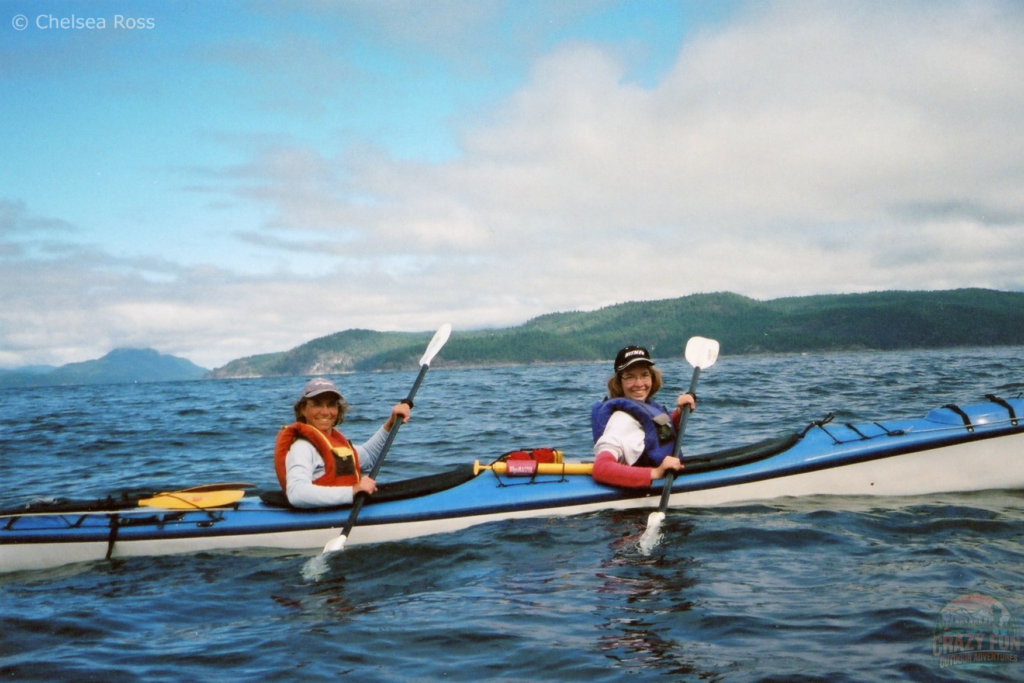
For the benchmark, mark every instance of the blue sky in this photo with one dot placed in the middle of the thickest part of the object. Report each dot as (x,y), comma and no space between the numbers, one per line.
(241,177)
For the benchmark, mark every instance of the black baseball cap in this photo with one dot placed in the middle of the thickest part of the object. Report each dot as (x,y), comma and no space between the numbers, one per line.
(630,356)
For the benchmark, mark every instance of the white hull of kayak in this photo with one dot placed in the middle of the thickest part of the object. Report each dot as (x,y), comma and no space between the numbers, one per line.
(987,465)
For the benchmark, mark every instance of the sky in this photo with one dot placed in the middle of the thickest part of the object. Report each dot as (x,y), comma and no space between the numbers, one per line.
(221,179)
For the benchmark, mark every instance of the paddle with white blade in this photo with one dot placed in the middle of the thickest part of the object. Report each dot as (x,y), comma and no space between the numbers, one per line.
(440,337)
(701,353)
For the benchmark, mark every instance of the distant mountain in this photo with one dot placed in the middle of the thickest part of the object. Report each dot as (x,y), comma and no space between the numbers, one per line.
(842,322)
(117,367)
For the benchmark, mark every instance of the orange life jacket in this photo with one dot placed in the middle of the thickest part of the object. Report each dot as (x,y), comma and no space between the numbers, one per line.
(341,462)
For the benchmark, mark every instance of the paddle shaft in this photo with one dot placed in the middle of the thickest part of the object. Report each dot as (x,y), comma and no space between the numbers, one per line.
(684,417)
(357,504)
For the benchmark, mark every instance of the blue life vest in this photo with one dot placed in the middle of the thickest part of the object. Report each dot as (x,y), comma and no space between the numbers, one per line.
(659,439)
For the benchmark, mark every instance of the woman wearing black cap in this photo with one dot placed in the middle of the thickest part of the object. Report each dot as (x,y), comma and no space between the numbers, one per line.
(315,464)
(633,436)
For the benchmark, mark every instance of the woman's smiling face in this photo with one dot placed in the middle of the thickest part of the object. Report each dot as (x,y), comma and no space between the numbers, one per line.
(637,381)
(321,412)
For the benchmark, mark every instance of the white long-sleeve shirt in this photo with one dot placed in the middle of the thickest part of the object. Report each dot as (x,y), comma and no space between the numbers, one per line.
(303,464)
(623,437)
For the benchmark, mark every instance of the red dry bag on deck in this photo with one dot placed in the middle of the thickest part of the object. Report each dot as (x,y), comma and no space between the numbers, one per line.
(524,463)
(537,455)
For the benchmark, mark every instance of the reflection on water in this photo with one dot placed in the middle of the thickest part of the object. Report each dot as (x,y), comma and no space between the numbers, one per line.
(642,599)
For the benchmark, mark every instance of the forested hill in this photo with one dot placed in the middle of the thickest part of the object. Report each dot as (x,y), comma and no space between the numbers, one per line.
(878,321)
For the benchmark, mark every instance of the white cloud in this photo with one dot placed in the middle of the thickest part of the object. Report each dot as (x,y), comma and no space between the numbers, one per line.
(806,148)
(799,121)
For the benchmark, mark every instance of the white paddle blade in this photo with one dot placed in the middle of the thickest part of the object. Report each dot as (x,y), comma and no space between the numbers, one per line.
(440,337)
(701,352)
(652,535)
(335,544)
(655,519)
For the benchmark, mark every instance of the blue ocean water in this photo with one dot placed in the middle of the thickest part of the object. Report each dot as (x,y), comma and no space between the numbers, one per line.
(821,589)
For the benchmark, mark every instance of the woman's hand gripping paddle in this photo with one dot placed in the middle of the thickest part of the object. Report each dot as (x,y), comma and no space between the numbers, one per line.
(440,337)
(701,353)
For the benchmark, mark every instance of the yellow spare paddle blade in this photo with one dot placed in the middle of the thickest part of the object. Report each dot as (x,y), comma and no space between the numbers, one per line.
(192,500)
(220,486)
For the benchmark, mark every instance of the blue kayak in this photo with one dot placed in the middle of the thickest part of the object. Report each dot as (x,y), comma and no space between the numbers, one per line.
(952,449)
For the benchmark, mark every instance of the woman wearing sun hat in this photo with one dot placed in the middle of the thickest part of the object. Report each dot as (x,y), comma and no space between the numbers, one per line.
(633,435)
(315,464)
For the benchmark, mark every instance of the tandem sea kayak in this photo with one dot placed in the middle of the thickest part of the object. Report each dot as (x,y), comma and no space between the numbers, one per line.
(952,449)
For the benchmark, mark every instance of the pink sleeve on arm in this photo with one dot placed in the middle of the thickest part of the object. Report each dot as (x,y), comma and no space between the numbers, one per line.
(609,471)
